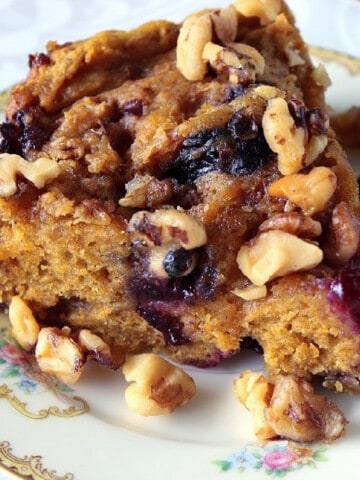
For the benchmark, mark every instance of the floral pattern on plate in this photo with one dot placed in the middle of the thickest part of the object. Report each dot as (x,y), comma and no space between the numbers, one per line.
(24,379)
(273,458)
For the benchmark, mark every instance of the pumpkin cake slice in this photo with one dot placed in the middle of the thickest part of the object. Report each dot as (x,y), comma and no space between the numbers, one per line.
(178,189)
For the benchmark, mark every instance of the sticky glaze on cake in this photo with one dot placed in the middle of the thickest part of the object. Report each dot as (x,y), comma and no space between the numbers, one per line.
(182,192)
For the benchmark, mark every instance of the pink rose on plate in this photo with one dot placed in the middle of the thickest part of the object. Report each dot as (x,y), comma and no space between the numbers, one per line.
(279,460)
(13,354)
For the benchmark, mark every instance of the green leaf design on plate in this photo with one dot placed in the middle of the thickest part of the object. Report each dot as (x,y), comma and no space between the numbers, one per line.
(10,371)
(223,464)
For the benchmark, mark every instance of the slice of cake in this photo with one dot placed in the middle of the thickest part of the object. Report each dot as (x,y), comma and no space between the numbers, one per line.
(178,189)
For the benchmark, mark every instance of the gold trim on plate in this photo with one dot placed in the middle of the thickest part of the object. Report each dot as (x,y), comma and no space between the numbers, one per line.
(28,466)
(72,411)
(351,63)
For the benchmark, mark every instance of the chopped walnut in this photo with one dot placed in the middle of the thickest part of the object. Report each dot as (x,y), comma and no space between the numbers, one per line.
(265,10)
(95,348)
(252,292)
(225,24)
(321,76)
(311,192)
(195,33)
(342,383)
(283,137)
(167,237)
(146,191)
(241,61)
(276,253)
(289,408)
(195,47)
(297,413)
(156,387)
(56,353)
(39,172)
(267,92)
(167,225)
(294,147)
(25,328)
(314,148)
(343,238)
(293,222)
(294,57)
(255,392)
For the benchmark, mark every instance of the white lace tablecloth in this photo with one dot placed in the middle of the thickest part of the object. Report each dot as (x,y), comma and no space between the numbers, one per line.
(27,25)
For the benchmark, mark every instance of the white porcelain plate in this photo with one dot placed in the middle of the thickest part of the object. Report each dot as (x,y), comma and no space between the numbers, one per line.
(49,431)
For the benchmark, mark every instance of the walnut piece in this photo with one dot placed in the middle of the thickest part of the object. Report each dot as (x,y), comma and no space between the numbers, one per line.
(255,392)
(167,237)
(241,61)
(289,408)
(209,38)
(343,238)
(225,24)
(295,223)
(167,225)
(25,328)
(265,10)
(293,56)
(297,413)
(194,34)
(95,348)
(145,191)
(311,192)
(157,387)
(314,148)
(252,292)
(321,76)
(267,92)
(276,253)
(40,172)
(58,354)
(283,137)
(295,151)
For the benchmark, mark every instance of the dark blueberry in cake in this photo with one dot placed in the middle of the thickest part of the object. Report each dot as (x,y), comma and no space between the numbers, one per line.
(239,148)
(9,138)
(235,91)
(297,110)
(39,59)
(344,296)
(32,134)
(134,107)
(314,121)
(177,262)
(243,127)
(251,344)
(317,121)
(167,324)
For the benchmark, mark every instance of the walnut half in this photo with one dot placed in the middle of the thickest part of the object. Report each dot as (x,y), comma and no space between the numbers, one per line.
(276,253)
(40,172)
(289,408)
(58,354)
(297,413)
(25,328)
(255,392)
(157,387)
